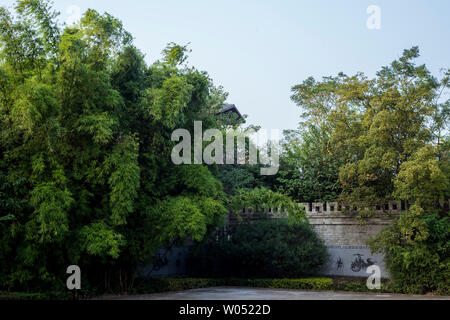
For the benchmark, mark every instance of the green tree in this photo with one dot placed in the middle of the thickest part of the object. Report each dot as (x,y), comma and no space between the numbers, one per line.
(308,169)
(421,180)
(383,139)
(85,170)
(397,109)
(416,250)
(358,132)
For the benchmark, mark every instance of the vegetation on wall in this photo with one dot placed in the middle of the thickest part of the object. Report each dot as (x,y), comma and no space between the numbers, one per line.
(266,248)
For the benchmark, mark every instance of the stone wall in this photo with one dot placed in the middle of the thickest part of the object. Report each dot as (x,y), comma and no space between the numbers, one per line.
(352,261)
(346,237)
(166,264)
(334,224)
(338,228)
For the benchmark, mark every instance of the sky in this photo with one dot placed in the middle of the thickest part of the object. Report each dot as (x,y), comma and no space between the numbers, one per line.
(258,50)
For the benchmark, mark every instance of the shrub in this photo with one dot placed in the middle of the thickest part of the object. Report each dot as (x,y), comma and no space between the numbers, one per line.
(358,285)
(156,285)
(417,253)
(267,248)
(301,284)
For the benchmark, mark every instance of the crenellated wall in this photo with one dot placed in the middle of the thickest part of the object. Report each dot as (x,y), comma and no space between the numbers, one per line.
(336,227)
(345,236)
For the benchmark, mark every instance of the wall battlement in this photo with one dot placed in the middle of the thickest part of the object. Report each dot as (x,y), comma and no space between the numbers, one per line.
(336,227)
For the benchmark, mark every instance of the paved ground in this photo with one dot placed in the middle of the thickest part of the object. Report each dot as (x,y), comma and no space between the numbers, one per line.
(234,293)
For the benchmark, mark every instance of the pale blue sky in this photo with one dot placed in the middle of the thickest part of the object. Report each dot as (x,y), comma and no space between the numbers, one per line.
(257,50)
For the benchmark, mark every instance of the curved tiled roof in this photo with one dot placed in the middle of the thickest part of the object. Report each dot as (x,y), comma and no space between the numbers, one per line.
(230,108)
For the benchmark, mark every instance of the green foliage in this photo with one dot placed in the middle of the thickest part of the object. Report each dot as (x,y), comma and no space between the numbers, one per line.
(369,141)
(160,285)
(361,139)
(268,248)
(50,215)
(100,239)
(359,285)
(308,169)
(179,284)
(299,284)
(167,102)
(175,54)
(263,200)
(157,285)
(86,176)
(7,218)
(397,108)
(85,170)
(236,177)
(417,252)
(421,180)
(124,179)
(12,296)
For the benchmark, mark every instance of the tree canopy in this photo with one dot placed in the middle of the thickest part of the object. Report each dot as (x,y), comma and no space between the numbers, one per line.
(85,171)
(86,175)
(366,141)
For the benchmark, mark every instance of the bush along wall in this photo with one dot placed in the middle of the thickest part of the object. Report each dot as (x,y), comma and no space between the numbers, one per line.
(275,248)
(157,285)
